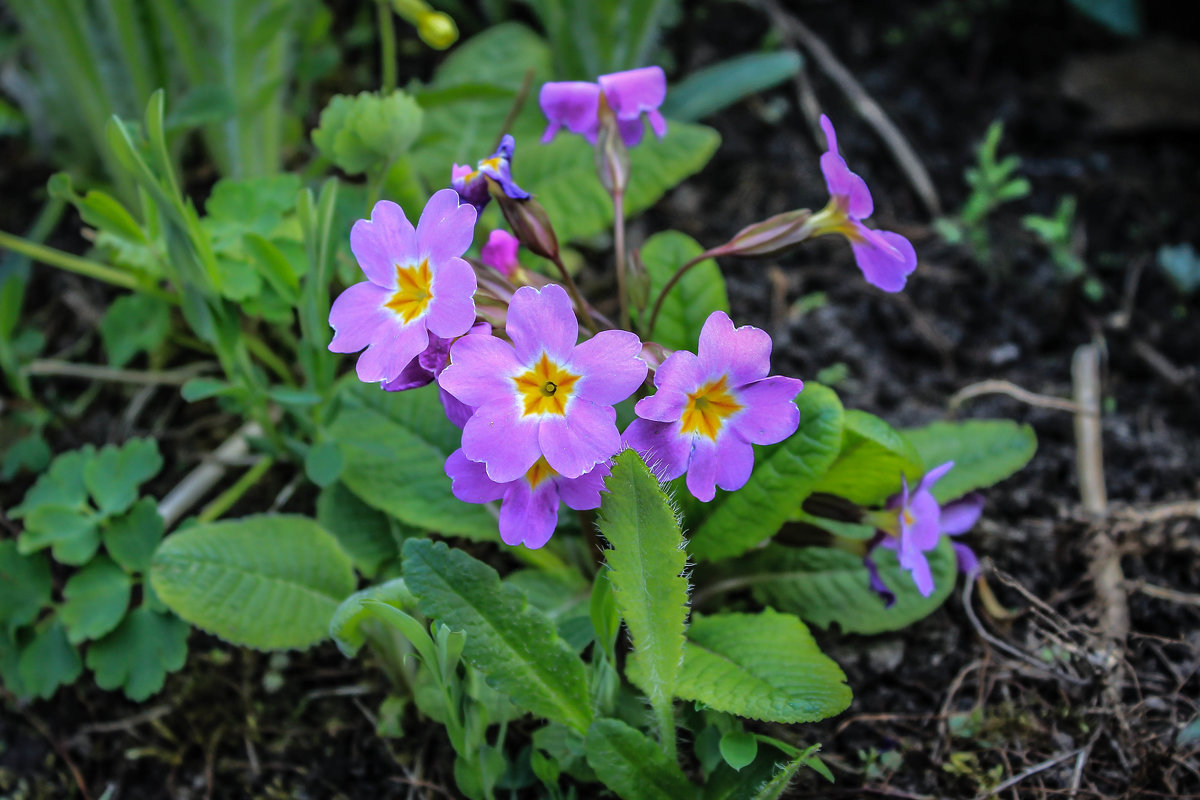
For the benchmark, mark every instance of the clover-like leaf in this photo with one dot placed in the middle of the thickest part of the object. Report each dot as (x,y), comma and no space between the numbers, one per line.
(96,599)
(131,538)
(367,131)
(24,586)
(48,661)
(113,475)
(139,654)
(73,535)
(61,485)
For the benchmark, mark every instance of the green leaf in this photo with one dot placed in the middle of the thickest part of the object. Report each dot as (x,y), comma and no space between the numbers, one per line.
(96,598)
(61,485)
(708,90)
(738,748)
(1122,17)
(873,457)
(73,535)
(774,788)
(268,582)
(367,131)
(563,176)
(512,643)
(48,661)
(762,666)
(134,323)
(395,464)
(250,205)
(131,538)
(631,765)
(346,626)
(646,561)
(24,587)
(699,292)
(198,389)
(137,656)
(784,474)
(368,536)
(114,474)
(984,452)
(825,585)
(323,463)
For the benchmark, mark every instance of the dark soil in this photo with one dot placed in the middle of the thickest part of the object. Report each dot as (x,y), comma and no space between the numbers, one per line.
(1045,704)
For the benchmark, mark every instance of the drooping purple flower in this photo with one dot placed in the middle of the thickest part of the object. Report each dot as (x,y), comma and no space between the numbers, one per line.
(576,105)
(711,407)
(528,504)
(418,285)
(428,364)
(472,184)
(500,253)
(885,258)
(918,525)
(542,396)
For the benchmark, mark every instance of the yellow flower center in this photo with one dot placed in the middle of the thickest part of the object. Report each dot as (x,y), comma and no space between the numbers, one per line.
(833,219)
(909,519)
(708,408)
(545,388)
(539,472)
(413,291)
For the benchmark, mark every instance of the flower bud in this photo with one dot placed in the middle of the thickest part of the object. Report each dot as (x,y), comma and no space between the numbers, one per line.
(437,30)
(774,235)
(529,223)
(612,156)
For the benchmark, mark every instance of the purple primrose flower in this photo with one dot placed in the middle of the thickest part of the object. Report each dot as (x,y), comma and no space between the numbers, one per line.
(417,285)
(711,407)
(428,364)
(500,253)
(528,504)
(472,184)
(885,258)
(575,105)
(542,396)
(919,523)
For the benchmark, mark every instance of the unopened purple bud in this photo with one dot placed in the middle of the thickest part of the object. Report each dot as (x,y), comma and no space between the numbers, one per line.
(500,253)
(771,236)
(530,223)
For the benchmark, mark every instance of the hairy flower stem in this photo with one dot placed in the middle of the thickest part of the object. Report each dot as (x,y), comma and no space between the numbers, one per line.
(670,284)
(664,712)
(387,47)
(576,297)
(619,243)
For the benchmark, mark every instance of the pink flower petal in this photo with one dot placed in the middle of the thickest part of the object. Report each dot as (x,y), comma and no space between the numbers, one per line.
(452,306)
(542,322)
(481,370)
(735,462)
(583,493)
(744,354)
(469,480)
(506,443)
(393,346)
(446,227)
(587,435)
(702,470)
(661,446)
(382,242)
(572,105)
(529,516)
(633,91)
(770,414)
(609,367)
(355,316)
(885,258)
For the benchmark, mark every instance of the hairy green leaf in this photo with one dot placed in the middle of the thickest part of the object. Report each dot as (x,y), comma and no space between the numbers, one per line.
(774,788)
(137,656)
(631,765)
(509,641)
(96,598)
(984,452)
(698,293)
(784,474)
(646,561)
(24,586)
(873,457)
(269,582)
(762,666)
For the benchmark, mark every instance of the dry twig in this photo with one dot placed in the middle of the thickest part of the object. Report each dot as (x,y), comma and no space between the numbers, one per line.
(1011,390)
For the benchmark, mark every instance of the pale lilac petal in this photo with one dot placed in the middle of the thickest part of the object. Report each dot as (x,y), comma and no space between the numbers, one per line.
(469,481)
(770,414)
(456,411)
(542,321)
(657,123)
(572,105)
(500,252)
(393,346)
(849,188)
(933,476)
(661,446)
(584,437)
(876,582)
(608,366)
(633,91)
(679,375)
(631,131)
(382,242)
(446,227)
(744,354)
(961,515)
(968,562)
(918,565)
(356,315)
(702,469)
(528,516)
(885,258)
(924,532)
(831,144)
(583,493)
(452,306)
(413,376)
(481,370)
(498,436)
(735,462)
(458,172)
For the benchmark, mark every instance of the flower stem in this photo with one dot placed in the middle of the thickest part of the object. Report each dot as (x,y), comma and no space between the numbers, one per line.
(664,712)
(387,47)
(670,284)
(619,243)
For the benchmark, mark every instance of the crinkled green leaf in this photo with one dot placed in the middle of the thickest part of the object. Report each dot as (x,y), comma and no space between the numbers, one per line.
(366,534)
(698,293)
(134,323)
(646,561)
(24,586)
(825,585)
(762,666)
(984,452)
(509,641)
(48,661)
(95,600)
(271,582)
(131,538)
(395,463)
(115,473)
(784,474)
(563,596)
(367,131)
(633,766)
(873,457)
(139,654)
(72,535)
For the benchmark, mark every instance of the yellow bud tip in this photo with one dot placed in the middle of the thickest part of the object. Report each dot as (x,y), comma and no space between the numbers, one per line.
(437,30)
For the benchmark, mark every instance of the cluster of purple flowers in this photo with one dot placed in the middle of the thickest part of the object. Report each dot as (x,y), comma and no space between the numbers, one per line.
(536,405)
